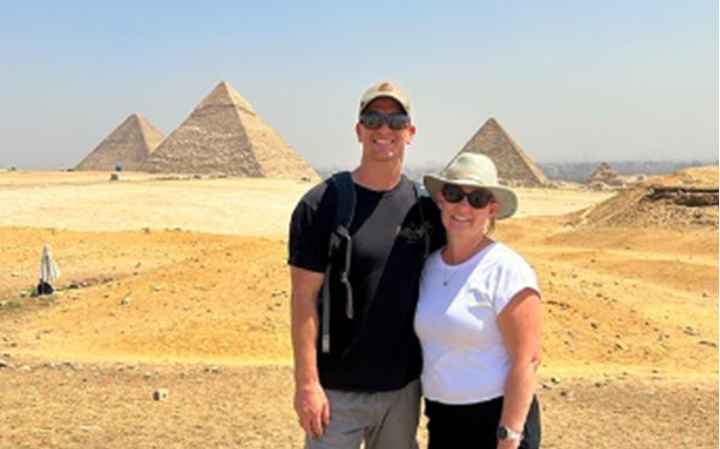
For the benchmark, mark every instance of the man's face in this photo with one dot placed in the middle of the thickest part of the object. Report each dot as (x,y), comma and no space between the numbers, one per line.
(384,143)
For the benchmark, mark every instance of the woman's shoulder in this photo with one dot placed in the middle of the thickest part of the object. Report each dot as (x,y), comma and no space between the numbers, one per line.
(506,256)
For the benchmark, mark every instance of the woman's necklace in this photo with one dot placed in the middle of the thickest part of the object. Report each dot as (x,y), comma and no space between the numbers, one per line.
(449,273)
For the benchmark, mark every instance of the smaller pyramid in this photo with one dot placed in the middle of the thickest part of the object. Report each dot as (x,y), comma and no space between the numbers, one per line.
(225,136)
(514,166)
(127,147)
(604,174)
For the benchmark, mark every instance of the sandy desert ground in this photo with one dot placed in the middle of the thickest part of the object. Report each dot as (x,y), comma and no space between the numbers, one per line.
(181,284)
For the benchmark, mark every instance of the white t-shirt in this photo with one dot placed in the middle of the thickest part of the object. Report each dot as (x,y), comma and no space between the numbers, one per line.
(464,356)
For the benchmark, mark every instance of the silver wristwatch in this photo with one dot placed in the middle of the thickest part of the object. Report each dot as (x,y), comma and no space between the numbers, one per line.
(505,433)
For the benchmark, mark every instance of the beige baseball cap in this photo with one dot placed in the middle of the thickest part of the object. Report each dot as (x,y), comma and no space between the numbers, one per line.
(386,89)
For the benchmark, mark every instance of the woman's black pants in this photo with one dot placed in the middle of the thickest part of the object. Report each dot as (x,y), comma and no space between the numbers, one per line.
(473,426)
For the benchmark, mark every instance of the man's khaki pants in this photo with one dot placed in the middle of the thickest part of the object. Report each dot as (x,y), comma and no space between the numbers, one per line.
(385,420)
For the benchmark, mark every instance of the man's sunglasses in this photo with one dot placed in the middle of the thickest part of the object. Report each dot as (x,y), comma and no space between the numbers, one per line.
(375,120)
(478,199)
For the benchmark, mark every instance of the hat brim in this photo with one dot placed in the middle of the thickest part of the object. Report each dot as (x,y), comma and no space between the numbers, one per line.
(506,197)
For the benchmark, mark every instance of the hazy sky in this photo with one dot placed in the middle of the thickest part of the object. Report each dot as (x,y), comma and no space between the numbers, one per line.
(570,80)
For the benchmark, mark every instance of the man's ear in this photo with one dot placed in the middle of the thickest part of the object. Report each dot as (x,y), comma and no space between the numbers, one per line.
(357,132)
(411,134)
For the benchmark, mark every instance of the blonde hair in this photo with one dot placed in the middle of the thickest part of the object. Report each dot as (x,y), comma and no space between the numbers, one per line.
(490,225)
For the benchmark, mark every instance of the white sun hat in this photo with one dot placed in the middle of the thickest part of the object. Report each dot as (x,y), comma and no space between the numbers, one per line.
(474,170)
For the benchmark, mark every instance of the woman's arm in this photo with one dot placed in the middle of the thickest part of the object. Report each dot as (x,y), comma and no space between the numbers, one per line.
(520,325)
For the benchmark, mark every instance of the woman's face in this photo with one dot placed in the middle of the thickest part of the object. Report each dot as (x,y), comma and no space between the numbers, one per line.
(460,218)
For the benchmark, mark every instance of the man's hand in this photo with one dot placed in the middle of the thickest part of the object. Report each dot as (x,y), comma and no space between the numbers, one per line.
(312,408)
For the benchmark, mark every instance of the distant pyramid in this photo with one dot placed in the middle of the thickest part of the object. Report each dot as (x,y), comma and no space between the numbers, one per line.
(126,147)
(224,135)
(513,165)
(604,174)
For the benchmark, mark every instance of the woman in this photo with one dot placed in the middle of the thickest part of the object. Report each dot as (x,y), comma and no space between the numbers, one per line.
(478,319)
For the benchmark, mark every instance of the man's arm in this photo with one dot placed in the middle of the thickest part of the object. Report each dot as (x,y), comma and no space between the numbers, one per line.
(311,403)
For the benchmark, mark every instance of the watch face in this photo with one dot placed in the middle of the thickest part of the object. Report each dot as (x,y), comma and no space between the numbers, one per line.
(502,433)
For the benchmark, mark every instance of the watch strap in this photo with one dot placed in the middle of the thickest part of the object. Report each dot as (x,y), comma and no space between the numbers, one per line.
(506,433)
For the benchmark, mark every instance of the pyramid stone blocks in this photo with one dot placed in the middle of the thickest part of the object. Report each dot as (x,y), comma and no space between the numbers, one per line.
(225,136)
(514,167)
(128,146)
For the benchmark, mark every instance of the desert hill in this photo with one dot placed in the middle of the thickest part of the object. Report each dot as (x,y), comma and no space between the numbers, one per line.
(684,200)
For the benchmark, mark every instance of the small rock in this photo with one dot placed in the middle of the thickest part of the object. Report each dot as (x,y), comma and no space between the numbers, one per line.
(566,394)
(212,369)
(161,394)
(555,380)
(5,364)
(126,300)
(708,343)
(691,331)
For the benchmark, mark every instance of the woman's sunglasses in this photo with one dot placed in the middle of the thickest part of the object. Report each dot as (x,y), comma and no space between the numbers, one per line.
(375,120)
(478,199)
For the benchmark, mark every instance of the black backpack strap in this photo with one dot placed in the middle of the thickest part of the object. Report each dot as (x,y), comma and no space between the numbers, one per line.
(345,208)
(422,196)
(344,213)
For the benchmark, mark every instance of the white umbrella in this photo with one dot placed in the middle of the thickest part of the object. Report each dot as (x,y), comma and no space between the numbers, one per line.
(49,270)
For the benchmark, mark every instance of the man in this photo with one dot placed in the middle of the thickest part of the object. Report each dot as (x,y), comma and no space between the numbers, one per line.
(356,373)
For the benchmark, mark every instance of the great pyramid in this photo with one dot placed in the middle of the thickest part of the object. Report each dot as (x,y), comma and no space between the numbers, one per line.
(128,146)
(514,167)
(225,136)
